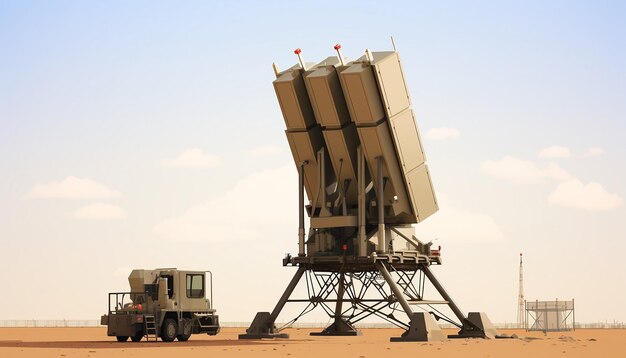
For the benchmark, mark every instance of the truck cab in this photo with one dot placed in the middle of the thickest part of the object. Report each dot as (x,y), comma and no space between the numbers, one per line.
(166,303)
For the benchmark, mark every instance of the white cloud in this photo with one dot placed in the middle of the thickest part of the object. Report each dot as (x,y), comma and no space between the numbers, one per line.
(453,224)
(259,207)
(593,152)
(555,151)
(72,188)
(100,211)
(193,158)
(574,194)
(522,171)
(264,151)
(442,133)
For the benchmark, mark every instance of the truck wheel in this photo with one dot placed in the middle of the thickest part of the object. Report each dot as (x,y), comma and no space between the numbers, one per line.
(186,331)
(137,338)
(168,331)
(122,338)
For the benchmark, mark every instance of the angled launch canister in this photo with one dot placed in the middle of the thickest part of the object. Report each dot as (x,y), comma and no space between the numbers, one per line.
(331,113)
(304,134)
(379,104)
(360,160)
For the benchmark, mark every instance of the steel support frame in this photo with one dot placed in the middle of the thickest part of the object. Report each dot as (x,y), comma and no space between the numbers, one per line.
(356,295)
(380,290)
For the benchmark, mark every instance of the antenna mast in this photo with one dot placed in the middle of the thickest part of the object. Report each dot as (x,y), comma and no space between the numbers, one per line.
(521,315)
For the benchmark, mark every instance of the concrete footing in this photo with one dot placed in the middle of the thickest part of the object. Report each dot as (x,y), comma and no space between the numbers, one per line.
(262,327)
(477,325)
(339,328)
(423,328)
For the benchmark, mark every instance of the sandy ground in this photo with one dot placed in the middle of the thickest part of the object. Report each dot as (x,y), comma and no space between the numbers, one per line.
(93,342)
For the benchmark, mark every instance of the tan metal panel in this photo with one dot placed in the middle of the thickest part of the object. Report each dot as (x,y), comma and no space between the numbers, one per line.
(327,98)
(407,140)
(421,191)
(376,142)
(391,82)
(304,147)
(342,146)
(328,61)
(375,98)
(294,100)
(334,221)
(361,93)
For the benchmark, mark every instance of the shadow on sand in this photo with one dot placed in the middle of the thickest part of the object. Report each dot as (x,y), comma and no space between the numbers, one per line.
(135,345)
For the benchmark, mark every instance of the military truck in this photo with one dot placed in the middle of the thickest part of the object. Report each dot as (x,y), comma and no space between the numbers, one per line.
(167,303)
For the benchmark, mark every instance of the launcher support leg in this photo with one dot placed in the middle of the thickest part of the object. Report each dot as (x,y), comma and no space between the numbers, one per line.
(263,324)
(362,238)
(476,324)
(340,327)
(422,326)
(321,160)
(394,288)
(444,294)
(283,299)
(382,248)
(301,209)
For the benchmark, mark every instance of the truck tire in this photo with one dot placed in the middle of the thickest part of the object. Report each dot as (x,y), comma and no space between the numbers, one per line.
(168,330)
(137,338)
(122,338)
(187,327)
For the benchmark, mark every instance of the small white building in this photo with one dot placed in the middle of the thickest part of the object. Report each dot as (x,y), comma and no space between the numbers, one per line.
(550,316)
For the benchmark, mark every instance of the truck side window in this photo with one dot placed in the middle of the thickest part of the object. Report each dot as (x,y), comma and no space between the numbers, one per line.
(170,285)
(152,291)
(195,286)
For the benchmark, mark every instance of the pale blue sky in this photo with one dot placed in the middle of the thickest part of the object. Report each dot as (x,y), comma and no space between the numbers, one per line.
(109,90)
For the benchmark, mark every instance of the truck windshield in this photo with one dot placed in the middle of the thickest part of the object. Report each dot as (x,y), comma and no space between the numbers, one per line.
(195,286)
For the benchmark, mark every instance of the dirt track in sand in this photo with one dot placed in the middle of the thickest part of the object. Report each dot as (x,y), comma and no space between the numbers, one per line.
(93,342)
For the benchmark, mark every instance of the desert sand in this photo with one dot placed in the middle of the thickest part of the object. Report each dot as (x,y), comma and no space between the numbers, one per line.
(93,342)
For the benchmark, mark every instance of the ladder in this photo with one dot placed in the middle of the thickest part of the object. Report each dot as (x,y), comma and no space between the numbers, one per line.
(150,328)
